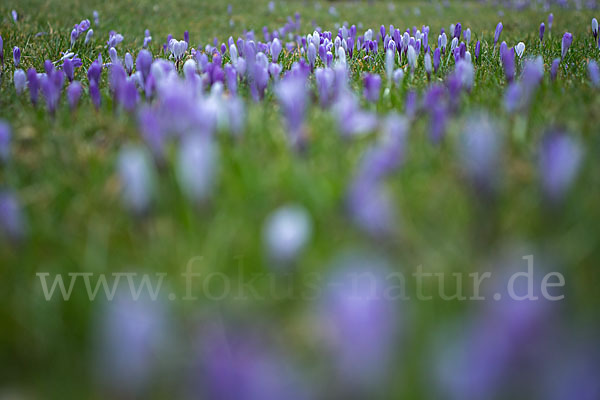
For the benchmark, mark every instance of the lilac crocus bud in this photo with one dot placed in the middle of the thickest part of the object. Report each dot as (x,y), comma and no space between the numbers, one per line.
(143,63)
(96,18)
(33,84)
(1,51)
(12,221)
(480,150)
(95,94)
(542,29)
(74,36)
(398,76)
(477,50)
(559,160)
(457,30)
(554,68)
(312,55)
(512,97)
(497,33)
(550,20)
(412,58)
(519,49)
(275,50)
(186,37)
(508,62)
(68,69)
(360,321)
(128,63)
(565,44)
(467,35)
(436,59)
(341,53)
(389,63)
(16,56)
(292,95)
(14,15)
(595,28)
(89,35)
(114,58)
(286,232)
(428,66)
(20,80)
(196,167)
(443,41)
(5,139)
(594,73)
(137,179)
(372,87)
(74,91)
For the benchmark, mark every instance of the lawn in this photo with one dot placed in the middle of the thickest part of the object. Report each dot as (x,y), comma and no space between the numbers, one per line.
(277,213)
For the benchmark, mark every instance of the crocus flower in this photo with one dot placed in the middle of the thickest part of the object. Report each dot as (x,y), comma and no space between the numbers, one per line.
(595,28)
(457,30)
(68,68)
(33,84)
(389,63)
(550,20)
(372,87)
(594,73)
(16,56)
(1,51)
(143,63)
(96,18)
(74,91)
(467,35)
(5,139)
(324,78)
(360,321)
(147,38)
(95,94)
(88,36)
(443,41)
(411,54)
(129,334)
(560,156)
(477,50)
(542,29)
(14,15)
(497,33)
(275,50)
(12,221)
(52,85)
(196,166)
(480,151)
(312,54)
(20,81)
(512,97)
(398,76)
(292,95)
(114,39)
(565,44)
(519,49)
(137,179)
(436,59)
(128,63)
(427,63)
(286,232)
(508,62)
(554,68)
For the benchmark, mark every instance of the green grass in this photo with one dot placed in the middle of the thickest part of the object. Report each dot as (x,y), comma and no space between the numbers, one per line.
(63,171)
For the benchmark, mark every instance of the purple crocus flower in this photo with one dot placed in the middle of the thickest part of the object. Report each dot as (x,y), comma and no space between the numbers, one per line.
(5,139)
(74,91)
(52,85)
(594,73)
(457,30)
(480,151)
(1,51)
(542,29)
(565,44)
(550,20)
(292,95)
(512,97)
(143,63)
(360,321)
(324,78)
(68,68)
(94,72)
(33,84)
(436,59)
(88,36)
(595,28)
(497,33)
(20,81)
(95,94)
(128,63)
(12,222)
(508,62)
(312,55)
(559,160)
(477,50)
(554,68)
(16,56)
(372,87)
(128,95)
(186,37)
